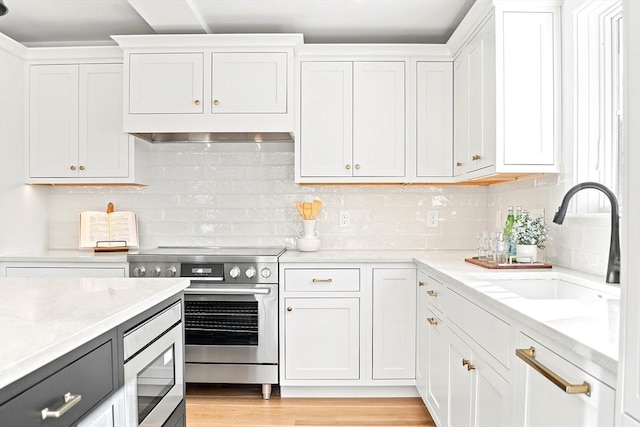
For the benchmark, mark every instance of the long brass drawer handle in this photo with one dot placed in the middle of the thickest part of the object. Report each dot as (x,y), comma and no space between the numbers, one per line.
(529,354)
(70,400)
(322,280)
(432,294)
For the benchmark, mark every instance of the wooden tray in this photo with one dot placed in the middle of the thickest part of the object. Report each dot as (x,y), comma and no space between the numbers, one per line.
(111,249)
(512,266)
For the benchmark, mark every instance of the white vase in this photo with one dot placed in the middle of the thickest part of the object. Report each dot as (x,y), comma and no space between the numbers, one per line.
(526,253)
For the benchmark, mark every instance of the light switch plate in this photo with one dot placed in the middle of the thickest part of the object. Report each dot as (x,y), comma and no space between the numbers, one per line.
(432,219)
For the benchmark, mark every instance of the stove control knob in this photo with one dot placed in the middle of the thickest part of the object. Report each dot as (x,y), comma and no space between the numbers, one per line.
(139,272)
(251,272)
(155,271)
(265,272)
(171,271)
(234,272)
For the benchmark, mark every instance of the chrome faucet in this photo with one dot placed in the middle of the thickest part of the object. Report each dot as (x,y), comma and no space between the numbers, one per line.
(613,268)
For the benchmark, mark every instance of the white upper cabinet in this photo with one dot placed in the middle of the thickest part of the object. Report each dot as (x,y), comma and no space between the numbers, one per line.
(352,121)
(75,125)
(434,119)
(507,90)
(249,83)
(209,83)
(166,83)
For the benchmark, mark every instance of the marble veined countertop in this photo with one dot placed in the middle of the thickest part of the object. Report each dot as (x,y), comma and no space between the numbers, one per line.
(62,255)
(45,318)
(589,329)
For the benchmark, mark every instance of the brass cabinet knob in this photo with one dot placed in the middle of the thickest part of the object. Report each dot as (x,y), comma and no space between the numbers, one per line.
(465,362)
(72,168)
(81,167)
(432,321)
(216,102)
(476,157)
(432,293)
(289,308)
(471,367)
(420,283)
(347,167)
(458,164)
(197,102)
(357,166)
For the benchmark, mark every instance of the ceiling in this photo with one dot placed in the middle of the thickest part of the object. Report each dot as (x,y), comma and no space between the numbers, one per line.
(91,22)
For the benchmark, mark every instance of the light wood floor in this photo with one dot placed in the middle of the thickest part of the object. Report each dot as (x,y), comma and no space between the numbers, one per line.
(211,405)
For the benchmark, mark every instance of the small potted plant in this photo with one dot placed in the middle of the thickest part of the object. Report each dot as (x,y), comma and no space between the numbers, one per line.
(528,234)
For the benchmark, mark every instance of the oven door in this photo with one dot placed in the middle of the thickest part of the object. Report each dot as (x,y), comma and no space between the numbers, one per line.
(231,324)
(154,383)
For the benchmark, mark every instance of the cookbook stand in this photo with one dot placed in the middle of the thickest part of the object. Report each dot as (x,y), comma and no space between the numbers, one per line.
(111,245)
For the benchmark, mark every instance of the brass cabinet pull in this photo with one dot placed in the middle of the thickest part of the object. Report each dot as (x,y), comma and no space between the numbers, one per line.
(216,102)
(470,367)
(72,168)
(432,293)
(70,400)
(357,166)
(329,280)
(476,157)
(432,321)
(529,354)
(81,167)
(197,102)
(465,362)
(347,167)
(289,308)
(420,283)
(458,164)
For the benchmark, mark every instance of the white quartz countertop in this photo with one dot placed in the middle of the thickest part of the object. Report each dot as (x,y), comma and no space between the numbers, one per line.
(59,255)
(43,319)
(592,334)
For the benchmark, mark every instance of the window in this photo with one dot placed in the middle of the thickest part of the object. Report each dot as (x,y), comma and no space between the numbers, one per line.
(597,62)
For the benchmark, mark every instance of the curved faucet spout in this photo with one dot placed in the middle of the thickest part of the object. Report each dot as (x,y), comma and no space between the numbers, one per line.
(613,268)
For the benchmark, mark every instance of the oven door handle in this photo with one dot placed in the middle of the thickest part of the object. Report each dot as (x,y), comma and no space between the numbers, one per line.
(228,291)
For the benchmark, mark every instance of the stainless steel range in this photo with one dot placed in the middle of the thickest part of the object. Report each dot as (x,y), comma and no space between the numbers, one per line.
(231,309)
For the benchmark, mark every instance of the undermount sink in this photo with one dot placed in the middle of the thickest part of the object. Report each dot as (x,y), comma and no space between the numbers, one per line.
(549,299)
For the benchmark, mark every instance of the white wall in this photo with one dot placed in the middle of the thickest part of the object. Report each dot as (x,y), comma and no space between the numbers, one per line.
(237,194)
(23,208)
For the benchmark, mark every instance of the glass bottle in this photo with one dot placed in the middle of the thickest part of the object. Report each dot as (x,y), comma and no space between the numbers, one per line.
(507,231)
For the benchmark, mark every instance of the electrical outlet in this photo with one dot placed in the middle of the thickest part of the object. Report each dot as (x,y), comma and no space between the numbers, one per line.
(345,219)
(432,219)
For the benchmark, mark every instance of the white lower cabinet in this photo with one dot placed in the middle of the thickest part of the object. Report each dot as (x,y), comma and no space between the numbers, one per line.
(437,367)
(543,403)
(322,338)
(394,325)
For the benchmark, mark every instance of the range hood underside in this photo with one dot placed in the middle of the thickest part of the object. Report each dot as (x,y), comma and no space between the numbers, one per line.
(221,137)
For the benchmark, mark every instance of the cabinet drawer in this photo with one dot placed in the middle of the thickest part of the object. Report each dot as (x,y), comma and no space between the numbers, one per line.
(322,280)
(90,376)
(483,327)
(435,292)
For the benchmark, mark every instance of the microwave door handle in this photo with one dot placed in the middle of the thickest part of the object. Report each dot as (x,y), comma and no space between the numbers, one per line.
(229,291)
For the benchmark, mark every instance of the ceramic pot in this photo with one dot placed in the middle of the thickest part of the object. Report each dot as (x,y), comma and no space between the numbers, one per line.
(526,253)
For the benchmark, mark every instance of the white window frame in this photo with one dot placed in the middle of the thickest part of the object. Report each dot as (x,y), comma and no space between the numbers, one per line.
(597,65)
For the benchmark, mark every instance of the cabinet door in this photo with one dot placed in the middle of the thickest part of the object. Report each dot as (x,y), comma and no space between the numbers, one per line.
(166,83)
(394,323)
(326,111)
(460,383)
(492,396)
(421,336)
(322,338)
(540,402)
(378,119)
(249,83)
(481,88)
(434,99)
(528,88)
(437,367)
(461,114)
(53,121)
(103,146)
